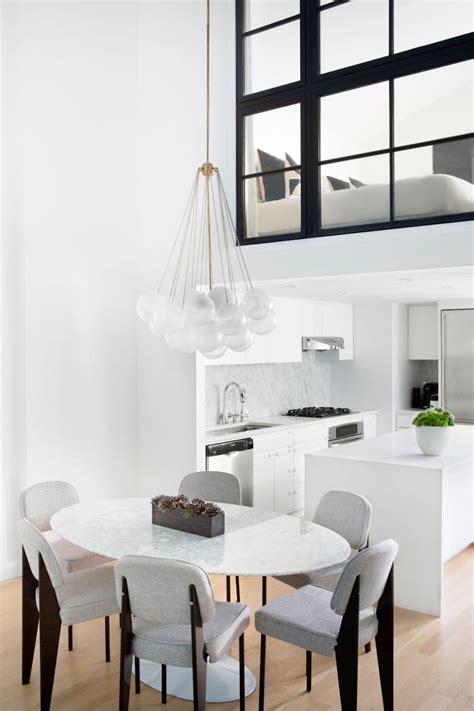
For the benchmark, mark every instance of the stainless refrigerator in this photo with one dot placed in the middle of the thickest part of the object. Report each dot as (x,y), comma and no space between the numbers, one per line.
(457,363)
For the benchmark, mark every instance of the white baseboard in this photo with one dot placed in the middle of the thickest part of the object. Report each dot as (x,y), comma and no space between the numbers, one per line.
(12,570)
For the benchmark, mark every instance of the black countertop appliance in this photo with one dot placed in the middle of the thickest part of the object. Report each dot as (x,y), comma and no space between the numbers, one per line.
(429,392)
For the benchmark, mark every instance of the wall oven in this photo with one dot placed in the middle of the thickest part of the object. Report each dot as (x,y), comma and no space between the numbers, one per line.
(345,434)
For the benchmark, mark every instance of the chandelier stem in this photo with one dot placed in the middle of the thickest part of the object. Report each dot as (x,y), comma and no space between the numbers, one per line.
(208,79)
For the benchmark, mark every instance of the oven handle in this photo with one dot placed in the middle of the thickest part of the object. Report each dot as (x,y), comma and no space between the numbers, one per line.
(345,440)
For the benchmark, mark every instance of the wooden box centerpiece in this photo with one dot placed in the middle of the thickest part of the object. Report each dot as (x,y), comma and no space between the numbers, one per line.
(202,518)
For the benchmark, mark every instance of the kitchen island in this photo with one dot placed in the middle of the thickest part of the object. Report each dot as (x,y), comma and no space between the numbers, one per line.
(424,503)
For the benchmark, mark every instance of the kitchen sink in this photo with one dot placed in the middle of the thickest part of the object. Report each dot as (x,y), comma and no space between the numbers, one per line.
(240,428)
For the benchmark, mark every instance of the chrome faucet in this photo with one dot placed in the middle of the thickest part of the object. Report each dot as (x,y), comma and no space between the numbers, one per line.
(232,416)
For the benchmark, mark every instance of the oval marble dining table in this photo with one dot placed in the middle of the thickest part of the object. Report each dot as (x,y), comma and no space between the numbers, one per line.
(255,543)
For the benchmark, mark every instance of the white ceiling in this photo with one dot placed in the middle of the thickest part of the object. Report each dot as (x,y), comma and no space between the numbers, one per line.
(408,287)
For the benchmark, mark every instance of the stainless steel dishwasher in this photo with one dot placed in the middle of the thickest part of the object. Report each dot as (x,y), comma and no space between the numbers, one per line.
(235,457)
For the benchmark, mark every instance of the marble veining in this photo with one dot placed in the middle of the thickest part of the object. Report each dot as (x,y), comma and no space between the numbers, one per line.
(272,388)
(427,371)
(255,542)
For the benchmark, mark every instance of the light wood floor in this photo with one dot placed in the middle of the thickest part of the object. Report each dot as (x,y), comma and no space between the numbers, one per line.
(433,663)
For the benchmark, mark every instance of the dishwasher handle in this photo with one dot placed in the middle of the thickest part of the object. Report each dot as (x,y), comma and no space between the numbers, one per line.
(237,445)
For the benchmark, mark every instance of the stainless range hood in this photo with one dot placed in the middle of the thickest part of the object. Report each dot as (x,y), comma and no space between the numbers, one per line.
(322,343)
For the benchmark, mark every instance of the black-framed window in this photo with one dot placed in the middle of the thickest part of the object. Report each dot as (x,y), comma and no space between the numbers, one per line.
(345,123)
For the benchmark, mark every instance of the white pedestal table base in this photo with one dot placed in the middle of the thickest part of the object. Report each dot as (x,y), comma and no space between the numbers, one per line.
(222,680)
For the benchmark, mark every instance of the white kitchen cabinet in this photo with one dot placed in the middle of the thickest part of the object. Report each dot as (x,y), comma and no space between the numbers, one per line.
(283,463)
(264,481)
(370,425)
(336,320)
(283,344)
(423,332)
(311,318)
(299,456)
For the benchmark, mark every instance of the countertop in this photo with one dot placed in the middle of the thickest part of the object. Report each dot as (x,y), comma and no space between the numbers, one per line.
(400,448)
(220,433)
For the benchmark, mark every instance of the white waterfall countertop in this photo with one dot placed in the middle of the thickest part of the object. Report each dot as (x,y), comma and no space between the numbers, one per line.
(400,448)
(424,503)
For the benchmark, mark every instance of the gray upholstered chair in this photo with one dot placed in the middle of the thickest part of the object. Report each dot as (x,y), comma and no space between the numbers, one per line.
(221,487)
(359,610)
(169,616)
(38,503)
(62,599)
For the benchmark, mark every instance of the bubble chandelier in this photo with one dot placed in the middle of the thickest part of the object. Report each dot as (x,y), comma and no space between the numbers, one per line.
(197,306)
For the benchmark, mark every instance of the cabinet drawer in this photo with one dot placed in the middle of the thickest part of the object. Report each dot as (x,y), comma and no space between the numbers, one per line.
(310,434)
(405,421)
(270,442)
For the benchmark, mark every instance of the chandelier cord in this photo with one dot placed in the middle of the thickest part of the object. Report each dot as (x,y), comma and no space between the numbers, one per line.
(208,79)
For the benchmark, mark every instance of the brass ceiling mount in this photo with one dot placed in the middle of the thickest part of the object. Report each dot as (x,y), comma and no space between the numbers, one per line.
(208,169)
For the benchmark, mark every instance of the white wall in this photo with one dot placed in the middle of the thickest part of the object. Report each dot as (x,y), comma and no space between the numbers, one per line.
(103,131)
(380,376)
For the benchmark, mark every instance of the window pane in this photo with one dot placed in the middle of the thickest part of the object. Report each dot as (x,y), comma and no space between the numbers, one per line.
(272,139)
(420,22)
(354,32)
(272,58)
(434,180)
(355,121)
(258,13)
(434,104)
(272,204)
(355,192)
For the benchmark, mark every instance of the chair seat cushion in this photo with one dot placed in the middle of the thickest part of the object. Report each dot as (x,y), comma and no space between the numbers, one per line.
(304,618)
(88,595)
(171,644)
(326,578)
(71,557)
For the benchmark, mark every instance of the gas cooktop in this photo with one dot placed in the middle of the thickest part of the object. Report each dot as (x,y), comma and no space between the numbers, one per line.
(319,412)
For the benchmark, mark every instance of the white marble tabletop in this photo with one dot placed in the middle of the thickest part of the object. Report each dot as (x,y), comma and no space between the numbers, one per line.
(255,542)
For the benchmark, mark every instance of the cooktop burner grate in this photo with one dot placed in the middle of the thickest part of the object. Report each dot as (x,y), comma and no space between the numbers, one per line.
(319,412)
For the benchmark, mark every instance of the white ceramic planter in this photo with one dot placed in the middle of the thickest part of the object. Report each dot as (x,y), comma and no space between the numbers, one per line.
(433,441)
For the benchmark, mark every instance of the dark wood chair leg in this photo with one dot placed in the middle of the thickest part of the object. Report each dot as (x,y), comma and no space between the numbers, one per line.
(198,653)
(309,670)
(138,688)
(50,629)
(237,588)
(30,617)
(264,590)
(367,647)
(126,656)
(242,672)
(70,646)
(384,644)
(261,685)
(227,588)
(107,638)
(347,652)
(164,684)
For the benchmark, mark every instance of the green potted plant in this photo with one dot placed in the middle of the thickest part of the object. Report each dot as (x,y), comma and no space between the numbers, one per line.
(189,515)
(433,430)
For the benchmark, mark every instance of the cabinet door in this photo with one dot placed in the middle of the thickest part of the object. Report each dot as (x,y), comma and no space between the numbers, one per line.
(283,460)
(299,453)
(264,481)
(423,332)
(370,426)
(337,321)
(311,318)
(283,344)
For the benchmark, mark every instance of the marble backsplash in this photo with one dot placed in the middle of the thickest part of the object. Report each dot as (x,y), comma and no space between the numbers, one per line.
(272,388)
(427,371)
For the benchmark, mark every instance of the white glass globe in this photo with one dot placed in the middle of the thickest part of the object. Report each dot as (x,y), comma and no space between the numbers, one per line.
(256,304)
(182,340)
(207,338)
(169,318)
(230,319)
(222,295)
(199,308)
(263,326)
(240,341)
(148,304)
(217,353)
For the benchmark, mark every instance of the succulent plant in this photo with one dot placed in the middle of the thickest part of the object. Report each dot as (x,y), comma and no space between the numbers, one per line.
(188,507)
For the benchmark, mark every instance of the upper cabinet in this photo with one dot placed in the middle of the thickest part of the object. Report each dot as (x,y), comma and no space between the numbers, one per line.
(423,332)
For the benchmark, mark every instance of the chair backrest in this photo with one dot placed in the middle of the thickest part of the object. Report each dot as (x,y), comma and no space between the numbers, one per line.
(372,565)
(347,514)
(222,487)
(41,501)
(158,589)
(34,543)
